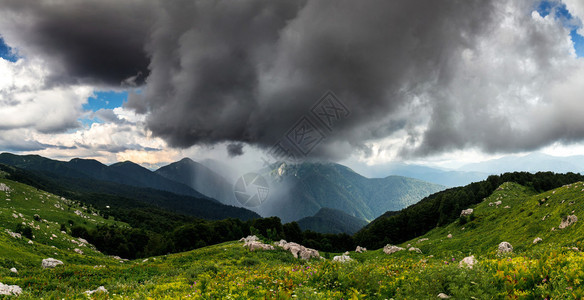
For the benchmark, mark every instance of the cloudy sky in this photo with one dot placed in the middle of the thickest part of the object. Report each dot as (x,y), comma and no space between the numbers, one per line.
(351,81)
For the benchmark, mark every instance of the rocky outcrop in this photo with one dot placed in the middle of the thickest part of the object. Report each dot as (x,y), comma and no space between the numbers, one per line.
(12,290)
(253,243)
(537,240)
(298,250)
(443,296)
(505,247)
(342,258)
(360,249)
(422,240)
(78,251)
(567,221)
(468,261)
(253,246)
(497,203)
(51,263)
(466,212)
(389,249)
(250,238)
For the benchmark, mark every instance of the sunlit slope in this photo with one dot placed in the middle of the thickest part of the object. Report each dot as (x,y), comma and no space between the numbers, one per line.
(520,218)
(47,220)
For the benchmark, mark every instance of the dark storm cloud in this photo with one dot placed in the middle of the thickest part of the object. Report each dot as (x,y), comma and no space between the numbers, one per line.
(235,149)
(442,74)
(86,41)
(247,71)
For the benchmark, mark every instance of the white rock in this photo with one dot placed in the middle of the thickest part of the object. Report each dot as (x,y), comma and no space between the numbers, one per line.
(422,240)
(360,249)
(466,212)
(505,247)
(389,249)
(537,240)
(413,249)
(10,289)
(78,251)
(4,187)
(100,289)
(14,270)
(468,261)
(567,221)
(298,250)
(14,234)
(443,296)
(342,258)
(449,235)
(254,245)
(51,262)
(250,238)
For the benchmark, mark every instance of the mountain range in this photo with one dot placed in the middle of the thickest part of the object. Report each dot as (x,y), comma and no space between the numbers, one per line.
(296,191)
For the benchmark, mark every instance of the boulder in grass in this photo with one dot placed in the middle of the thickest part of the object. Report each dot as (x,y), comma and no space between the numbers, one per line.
(466,212)
(389,249)
(253,245)
(49,263)
(468,261)
(100,289)
(360,249)
(250,238)
(413,249)
(443,296)
(10,290)
(14,270)
(342,258)
(4,187)
(505,247)
(537,240)
(449,235)
(298,250)
(567,221)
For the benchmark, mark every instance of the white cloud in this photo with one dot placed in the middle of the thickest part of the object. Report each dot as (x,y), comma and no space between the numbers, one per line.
(576,9)
(27,102)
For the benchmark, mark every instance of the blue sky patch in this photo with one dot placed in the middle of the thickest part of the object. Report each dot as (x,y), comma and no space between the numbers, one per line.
(561,12)
(6,52)
(578,43)
(106,100)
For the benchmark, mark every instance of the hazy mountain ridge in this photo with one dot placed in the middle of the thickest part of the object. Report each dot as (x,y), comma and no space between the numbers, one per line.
(301,190)
(127,173)
(200,178)
(328,220)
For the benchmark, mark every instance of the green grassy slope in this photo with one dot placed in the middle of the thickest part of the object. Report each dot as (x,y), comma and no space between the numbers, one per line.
(528,216)
(21,204)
